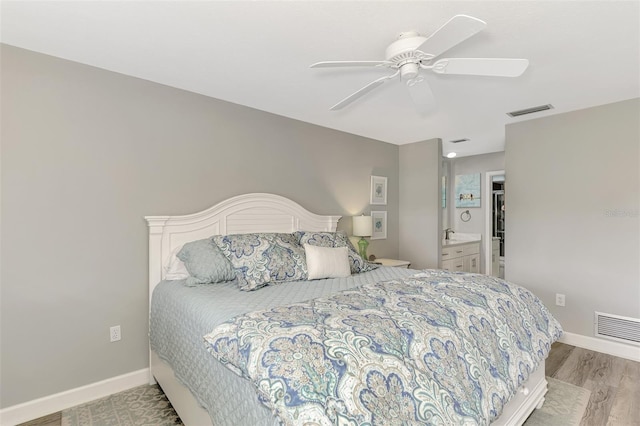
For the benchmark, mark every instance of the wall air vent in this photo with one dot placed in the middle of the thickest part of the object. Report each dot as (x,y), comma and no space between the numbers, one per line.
(530,110)
(459,140)
(623,329)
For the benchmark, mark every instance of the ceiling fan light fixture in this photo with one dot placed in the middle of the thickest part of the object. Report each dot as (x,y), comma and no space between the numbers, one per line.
(409,72)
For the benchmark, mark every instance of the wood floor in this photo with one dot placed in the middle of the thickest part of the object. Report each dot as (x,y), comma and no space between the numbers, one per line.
(614,384)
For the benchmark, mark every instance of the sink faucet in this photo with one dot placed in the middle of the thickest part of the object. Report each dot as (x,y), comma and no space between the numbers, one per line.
(448,232)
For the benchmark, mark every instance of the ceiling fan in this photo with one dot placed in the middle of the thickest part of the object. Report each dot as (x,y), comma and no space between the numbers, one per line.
(411,53)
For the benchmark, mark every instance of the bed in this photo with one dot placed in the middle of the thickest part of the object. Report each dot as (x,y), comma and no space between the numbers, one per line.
(206,389)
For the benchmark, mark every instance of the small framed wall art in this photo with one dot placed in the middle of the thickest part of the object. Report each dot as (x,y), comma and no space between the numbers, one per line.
(378,190)
(468,190)
(379,220)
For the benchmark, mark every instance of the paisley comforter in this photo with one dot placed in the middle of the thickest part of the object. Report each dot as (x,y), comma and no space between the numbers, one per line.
(437,348)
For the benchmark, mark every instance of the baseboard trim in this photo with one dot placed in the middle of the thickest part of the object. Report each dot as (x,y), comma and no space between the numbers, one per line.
(600,345)
(60,401)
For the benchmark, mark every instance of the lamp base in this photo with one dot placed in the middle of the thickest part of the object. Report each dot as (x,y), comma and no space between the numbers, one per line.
(362,248)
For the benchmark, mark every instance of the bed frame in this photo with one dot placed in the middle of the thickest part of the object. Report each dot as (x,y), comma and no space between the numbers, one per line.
(238,215)
(263,213)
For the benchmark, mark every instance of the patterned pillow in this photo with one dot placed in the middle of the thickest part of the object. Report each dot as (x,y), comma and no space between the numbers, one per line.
(336,239)
(261,258)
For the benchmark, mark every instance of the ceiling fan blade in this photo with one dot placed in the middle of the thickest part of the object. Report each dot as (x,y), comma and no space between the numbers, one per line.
(421,95)
(481,66)
(366,89)
(329,64)
(456,30)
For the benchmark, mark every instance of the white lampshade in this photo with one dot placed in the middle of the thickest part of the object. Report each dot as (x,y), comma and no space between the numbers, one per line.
(362,226)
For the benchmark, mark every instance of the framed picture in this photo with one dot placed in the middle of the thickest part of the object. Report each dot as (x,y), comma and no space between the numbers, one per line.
(378,190)
(379,220)
(468,190)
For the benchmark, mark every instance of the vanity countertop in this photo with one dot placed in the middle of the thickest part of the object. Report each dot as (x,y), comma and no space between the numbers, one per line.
(451,243)
(459,238)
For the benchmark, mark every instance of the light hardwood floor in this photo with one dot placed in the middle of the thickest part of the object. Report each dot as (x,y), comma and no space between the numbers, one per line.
(614,384)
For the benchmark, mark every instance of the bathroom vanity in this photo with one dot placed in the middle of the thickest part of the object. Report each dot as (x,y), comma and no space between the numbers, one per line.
(461,255)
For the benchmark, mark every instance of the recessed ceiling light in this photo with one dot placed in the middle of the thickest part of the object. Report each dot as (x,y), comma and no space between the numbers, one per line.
(451,155)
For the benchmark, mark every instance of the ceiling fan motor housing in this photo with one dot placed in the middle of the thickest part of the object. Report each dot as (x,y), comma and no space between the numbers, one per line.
(404,55)
(404,46)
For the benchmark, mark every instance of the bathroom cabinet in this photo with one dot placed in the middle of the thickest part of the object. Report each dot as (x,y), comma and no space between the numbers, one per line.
(462,256)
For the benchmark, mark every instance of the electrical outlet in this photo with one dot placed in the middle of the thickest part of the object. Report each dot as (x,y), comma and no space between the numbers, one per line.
(559,299)
(115,333)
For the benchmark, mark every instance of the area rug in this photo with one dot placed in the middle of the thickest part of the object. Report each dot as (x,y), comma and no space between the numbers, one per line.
(148,406)
(564,405)
(141,406)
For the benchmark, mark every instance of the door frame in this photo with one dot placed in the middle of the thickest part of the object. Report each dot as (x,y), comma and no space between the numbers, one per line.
(488,214)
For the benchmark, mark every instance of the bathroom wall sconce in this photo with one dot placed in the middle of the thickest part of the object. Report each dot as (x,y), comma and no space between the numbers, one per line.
(362,227)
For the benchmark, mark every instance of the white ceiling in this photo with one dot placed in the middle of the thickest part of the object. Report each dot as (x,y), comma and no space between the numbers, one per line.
(257,53)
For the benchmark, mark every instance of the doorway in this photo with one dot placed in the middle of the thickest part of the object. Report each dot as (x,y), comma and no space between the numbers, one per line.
(495,223)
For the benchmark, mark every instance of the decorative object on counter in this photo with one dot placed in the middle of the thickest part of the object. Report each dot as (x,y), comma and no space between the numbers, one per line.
(468,190)
(362,227)
(379,225)
(378,190)
(465,216)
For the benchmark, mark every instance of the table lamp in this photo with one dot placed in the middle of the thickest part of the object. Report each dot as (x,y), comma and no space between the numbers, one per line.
(362,227)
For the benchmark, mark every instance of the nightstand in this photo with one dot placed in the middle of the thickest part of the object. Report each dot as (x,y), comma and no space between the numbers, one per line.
(393,262)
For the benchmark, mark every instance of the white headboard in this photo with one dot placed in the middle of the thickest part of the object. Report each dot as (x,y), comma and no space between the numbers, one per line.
(237,215)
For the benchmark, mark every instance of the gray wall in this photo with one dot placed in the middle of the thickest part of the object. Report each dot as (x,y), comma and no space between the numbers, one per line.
(573,227)
(420,203)
(86,153)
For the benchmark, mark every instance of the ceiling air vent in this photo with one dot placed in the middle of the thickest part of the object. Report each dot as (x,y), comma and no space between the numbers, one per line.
(530,110)
(459,140)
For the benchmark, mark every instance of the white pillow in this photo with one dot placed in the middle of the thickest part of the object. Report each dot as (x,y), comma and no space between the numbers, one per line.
(175,268)
(327,262)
